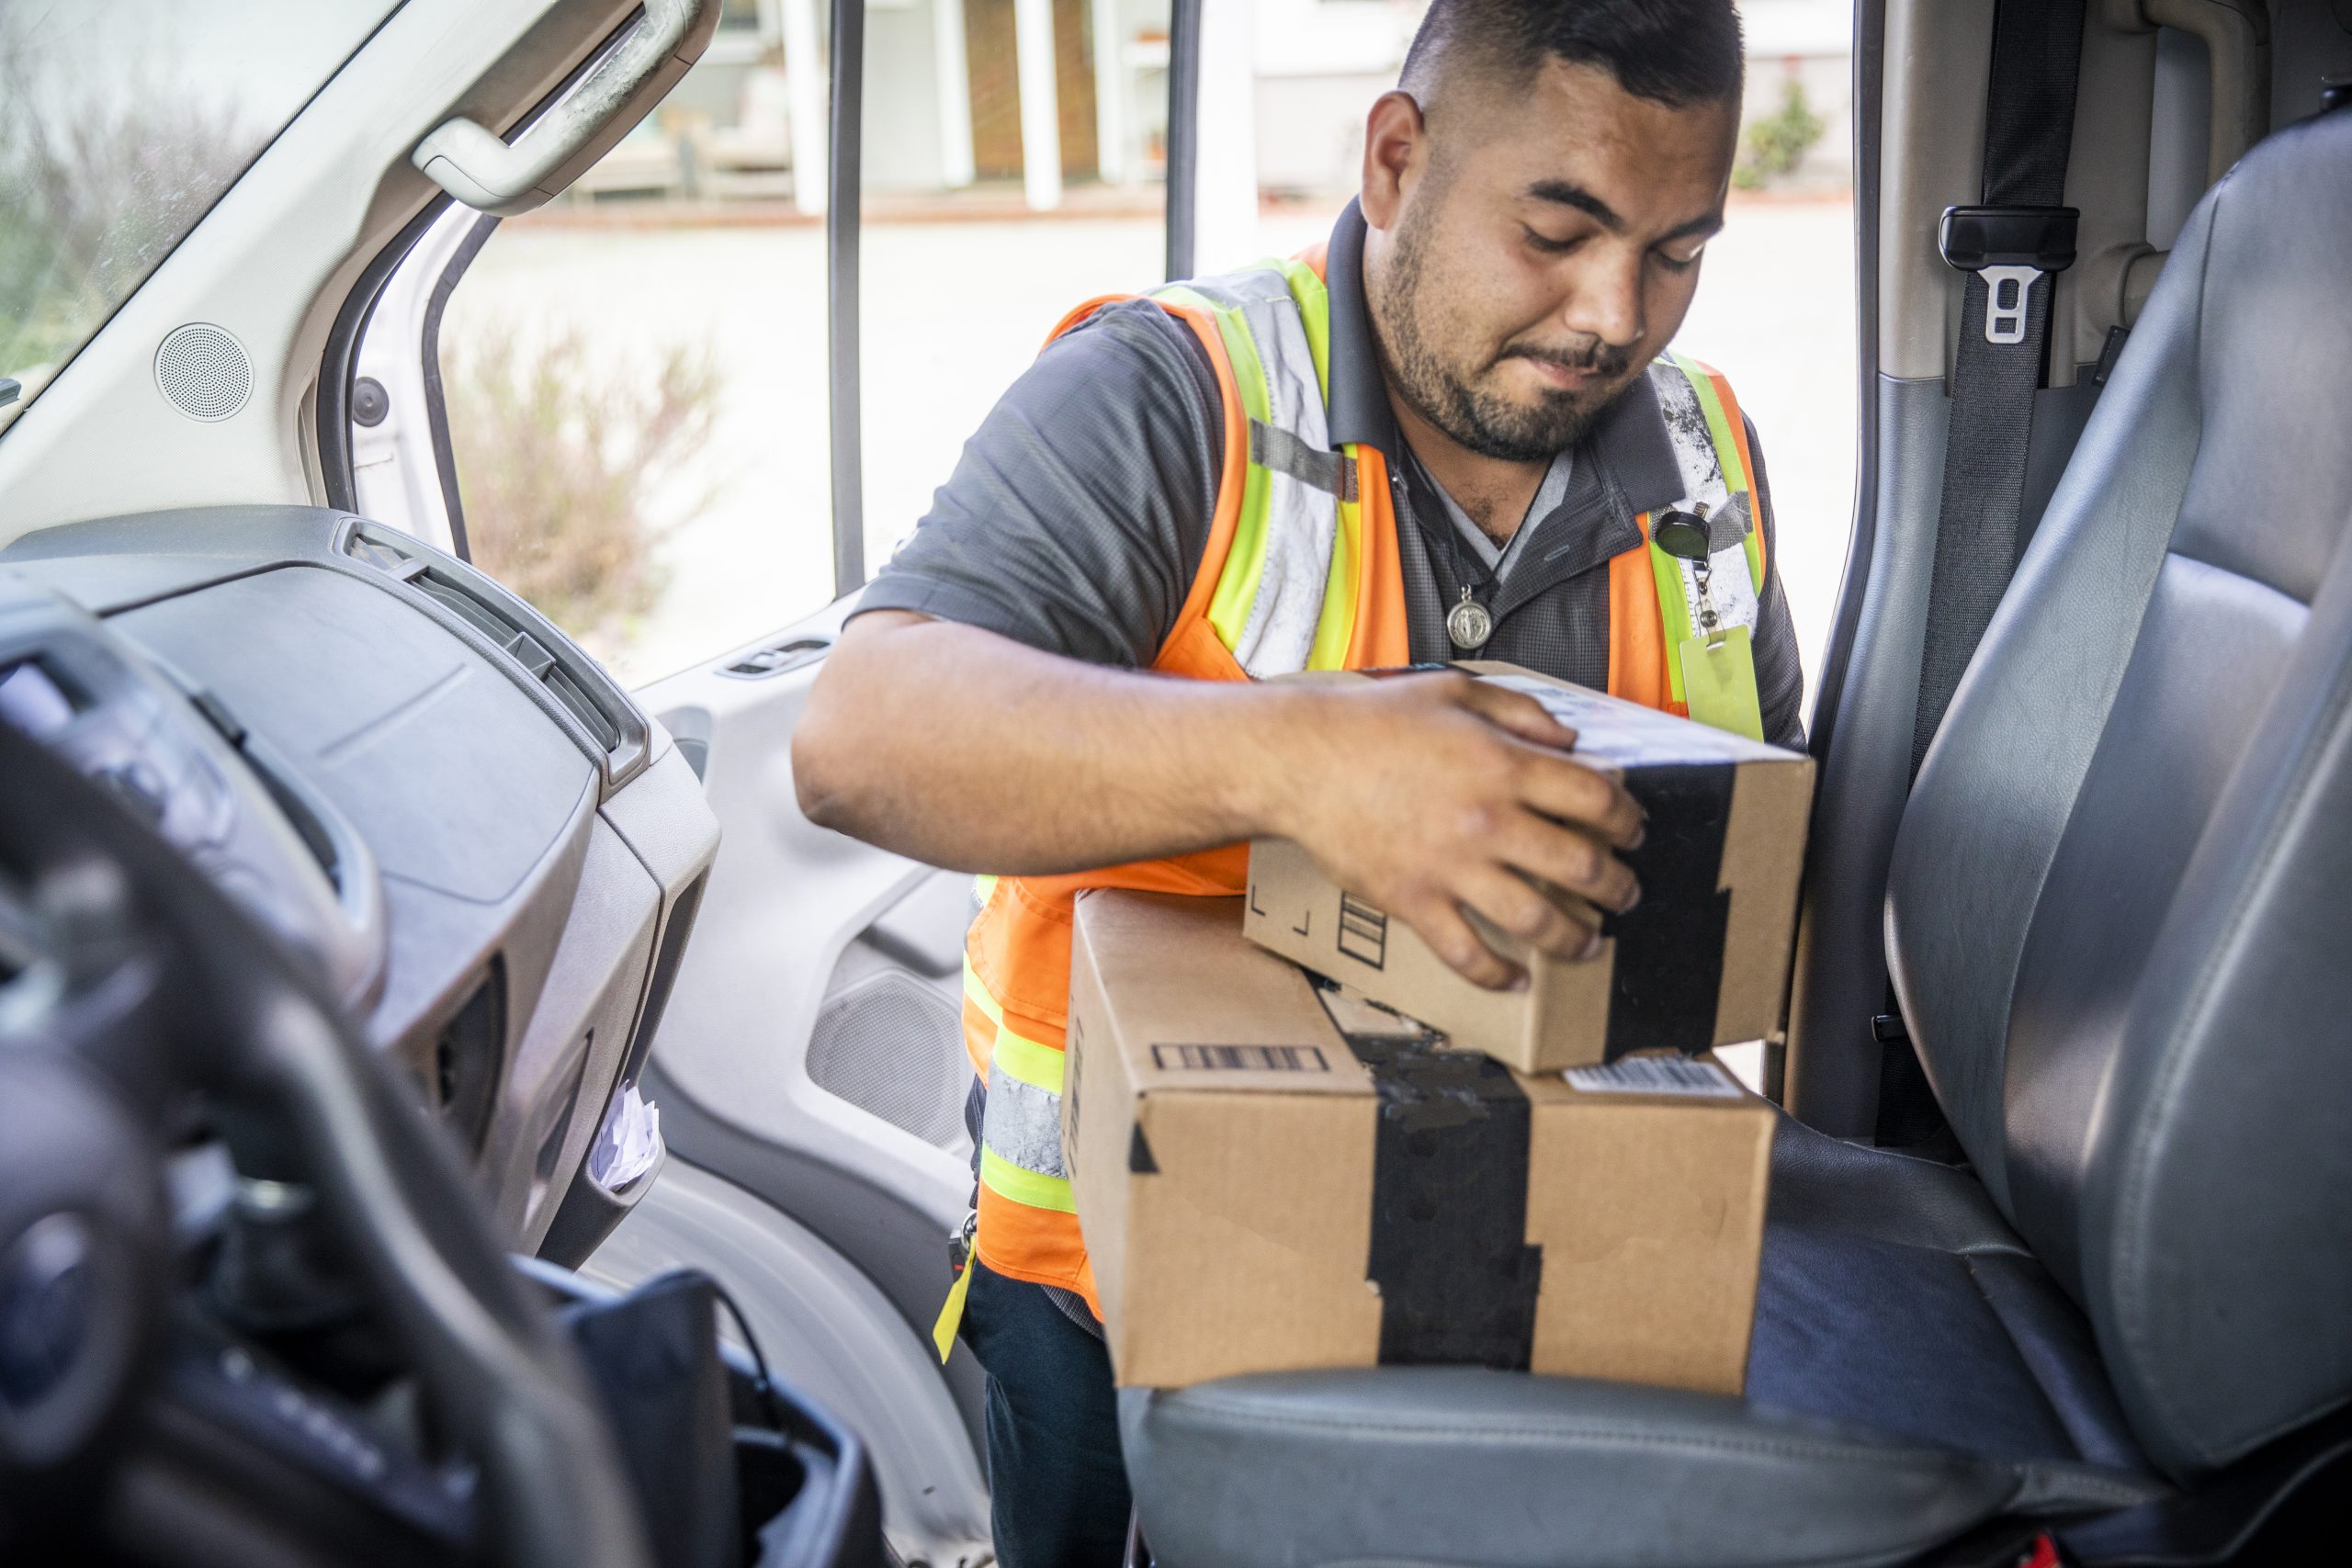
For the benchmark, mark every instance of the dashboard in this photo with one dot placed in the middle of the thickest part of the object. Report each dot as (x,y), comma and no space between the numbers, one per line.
(449,813)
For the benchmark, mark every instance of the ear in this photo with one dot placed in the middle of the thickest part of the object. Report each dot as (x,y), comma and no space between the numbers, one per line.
(1396,146)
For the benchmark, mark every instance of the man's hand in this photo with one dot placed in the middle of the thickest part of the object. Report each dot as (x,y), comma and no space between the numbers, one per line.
(1432,795)
(1427,793)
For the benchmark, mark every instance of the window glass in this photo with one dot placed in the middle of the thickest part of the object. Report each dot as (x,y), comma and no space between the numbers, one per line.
(121,122)
(1015,165)
(634,374)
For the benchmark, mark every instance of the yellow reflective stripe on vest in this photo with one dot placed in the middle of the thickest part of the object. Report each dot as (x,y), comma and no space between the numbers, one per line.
(1236,588)
(1336,629)
(1287,593)
(1006,1180)
(1712,473)
(1021,1121)
(1314,303)
(1718,423)
(1673,615)
(1023,1058)
(1728,453)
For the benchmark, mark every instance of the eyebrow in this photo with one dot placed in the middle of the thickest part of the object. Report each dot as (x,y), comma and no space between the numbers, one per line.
(1568,193)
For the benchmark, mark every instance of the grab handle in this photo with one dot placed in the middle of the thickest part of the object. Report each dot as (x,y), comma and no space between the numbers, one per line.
(489,174)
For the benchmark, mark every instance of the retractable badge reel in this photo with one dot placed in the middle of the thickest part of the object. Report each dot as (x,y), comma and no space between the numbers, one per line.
(1718,663)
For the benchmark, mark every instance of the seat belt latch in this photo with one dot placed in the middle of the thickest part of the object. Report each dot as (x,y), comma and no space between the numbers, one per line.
(2013,247)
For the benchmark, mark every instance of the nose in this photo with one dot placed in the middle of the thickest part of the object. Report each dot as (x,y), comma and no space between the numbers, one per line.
(1605,299)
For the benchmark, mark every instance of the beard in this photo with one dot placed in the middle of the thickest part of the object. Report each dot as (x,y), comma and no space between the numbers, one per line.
(1449,396)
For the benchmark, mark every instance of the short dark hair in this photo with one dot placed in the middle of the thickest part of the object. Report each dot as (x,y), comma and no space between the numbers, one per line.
(1673,51)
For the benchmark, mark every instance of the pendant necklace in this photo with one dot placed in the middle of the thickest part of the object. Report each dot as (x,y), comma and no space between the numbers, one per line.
(1467,624)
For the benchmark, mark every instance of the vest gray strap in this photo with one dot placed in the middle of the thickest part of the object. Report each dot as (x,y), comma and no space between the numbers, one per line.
(1271,447)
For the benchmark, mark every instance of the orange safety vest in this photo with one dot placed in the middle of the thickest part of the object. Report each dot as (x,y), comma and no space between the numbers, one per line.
(1301,572)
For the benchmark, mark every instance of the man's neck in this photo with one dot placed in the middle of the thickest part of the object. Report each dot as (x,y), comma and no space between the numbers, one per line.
(1494,492)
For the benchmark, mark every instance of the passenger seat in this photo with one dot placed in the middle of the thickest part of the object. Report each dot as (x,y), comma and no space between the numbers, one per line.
(2120,926)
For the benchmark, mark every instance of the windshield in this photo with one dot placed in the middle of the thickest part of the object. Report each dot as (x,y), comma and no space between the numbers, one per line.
(121,122)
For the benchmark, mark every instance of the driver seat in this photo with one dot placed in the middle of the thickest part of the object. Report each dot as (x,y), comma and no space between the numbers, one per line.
(2117,919)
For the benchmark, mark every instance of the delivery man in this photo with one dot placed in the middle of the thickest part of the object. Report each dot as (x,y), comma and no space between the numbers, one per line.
(1451,433)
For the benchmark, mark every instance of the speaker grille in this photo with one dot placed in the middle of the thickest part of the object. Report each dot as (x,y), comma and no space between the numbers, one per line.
(204,372)
(892,1046)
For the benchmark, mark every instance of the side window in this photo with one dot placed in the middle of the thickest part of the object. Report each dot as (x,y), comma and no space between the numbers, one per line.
(636,376)
(120,124)
(633,375)
(1014,162)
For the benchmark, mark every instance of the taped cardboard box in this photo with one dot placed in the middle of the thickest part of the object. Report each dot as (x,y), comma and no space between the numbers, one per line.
(1261,1191)
(1702,961)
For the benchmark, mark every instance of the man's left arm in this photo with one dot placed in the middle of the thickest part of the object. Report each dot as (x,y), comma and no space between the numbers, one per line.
(1780,675)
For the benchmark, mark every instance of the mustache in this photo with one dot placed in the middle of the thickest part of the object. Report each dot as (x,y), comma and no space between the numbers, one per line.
(1606,359)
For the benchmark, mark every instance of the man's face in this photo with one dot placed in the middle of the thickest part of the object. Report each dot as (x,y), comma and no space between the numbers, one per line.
(1537,253)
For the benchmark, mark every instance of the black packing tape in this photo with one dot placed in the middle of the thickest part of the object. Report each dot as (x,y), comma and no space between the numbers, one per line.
(1669,959)
(1457,1280)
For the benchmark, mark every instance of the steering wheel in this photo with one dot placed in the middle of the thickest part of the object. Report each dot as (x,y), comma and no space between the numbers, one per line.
(136,998)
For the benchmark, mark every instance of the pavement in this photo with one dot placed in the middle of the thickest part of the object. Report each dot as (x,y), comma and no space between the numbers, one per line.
(952,312)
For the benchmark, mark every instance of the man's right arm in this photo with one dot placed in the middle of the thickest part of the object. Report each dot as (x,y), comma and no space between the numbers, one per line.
(986,709)
(1430,794)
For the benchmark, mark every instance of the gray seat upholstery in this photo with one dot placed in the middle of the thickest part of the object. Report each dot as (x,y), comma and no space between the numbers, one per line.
(2118,921)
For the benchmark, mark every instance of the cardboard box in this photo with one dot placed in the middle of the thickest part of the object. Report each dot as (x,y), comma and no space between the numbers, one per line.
(1262,1192)
(1702,961)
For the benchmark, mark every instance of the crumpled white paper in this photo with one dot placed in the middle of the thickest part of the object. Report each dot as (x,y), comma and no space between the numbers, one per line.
(629,1143)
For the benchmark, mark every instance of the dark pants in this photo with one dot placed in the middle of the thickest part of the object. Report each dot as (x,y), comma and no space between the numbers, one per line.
(1059,1489)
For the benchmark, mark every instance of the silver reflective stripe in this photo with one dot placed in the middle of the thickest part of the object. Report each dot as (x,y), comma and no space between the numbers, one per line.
(1023,1124)
(1702,481)
(1302,515)
(1302,522)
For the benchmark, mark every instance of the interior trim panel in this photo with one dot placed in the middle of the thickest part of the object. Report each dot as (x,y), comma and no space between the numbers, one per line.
(484,837)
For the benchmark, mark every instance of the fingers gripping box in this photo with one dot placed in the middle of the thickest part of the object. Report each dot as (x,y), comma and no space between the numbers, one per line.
(1270,1176)
(1702,961)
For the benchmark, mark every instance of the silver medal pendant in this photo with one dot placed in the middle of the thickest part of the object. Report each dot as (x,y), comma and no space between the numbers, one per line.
(1467,624)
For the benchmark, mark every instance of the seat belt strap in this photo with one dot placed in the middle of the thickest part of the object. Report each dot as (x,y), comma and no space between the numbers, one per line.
(2009,247)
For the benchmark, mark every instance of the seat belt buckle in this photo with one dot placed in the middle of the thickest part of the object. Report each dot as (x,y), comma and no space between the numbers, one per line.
(2013,247)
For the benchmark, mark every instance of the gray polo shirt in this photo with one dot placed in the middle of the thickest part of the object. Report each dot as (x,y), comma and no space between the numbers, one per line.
(1076,519)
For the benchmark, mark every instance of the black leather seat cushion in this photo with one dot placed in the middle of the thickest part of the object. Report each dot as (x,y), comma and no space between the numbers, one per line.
(1936,1328)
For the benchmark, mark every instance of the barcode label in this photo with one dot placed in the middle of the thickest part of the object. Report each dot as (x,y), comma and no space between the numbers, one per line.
(1242,1058)
(1656,1075)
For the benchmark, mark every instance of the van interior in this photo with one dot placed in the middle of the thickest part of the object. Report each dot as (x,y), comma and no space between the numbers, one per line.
(395,996)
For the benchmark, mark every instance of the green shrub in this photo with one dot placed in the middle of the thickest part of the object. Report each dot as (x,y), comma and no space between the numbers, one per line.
(1774,145)
(571,463)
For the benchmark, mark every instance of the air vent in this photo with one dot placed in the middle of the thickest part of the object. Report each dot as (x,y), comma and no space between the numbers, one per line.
(204,372)
(524,648)
(516,631)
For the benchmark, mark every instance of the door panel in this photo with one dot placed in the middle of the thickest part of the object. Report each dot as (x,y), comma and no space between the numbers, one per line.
(809,1069)
(811,1054)
(829,1333)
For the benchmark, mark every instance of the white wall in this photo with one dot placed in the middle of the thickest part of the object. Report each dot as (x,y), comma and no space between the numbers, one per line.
(901,146)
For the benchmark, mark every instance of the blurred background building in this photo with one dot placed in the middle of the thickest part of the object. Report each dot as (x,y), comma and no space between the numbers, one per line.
(1067,99)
